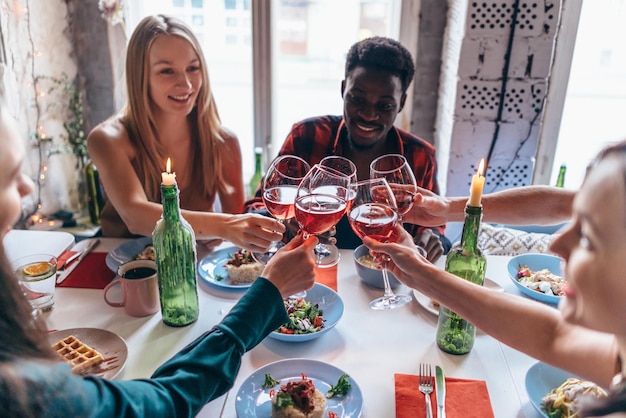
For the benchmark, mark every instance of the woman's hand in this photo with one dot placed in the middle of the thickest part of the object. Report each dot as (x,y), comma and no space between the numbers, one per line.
(405,258)
(430,242)
(292,268)
(253,232)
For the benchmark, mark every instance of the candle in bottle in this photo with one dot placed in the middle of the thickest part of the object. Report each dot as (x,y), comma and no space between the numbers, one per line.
(167,177)
(478,182)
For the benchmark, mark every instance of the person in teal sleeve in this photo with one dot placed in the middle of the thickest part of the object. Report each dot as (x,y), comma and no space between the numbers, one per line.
(35,382)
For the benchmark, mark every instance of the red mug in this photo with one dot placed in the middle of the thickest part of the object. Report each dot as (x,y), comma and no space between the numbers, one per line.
(138,283)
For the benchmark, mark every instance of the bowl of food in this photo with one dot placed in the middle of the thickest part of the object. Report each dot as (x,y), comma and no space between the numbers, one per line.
(367,270)
(310,316)
(538,276)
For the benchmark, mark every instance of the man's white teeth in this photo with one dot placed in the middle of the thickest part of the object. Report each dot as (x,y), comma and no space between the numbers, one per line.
(365,128)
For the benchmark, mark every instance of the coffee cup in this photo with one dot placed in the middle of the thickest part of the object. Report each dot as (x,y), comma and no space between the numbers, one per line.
(137,280)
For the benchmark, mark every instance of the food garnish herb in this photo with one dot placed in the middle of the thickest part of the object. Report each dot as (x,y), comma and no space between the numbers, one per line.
(269,382)
(341,388)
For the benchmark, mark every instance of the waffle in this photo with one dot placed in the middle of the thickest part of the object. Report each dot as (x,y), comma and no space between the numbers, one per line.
(78,354)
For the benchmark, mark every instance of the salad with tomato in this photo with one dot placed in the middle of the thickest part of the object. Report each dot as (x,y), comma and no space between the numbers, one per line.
(304,317)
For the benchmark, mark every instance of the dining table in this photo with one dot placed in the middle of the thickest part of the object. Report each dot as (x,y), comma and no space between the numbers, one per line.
(371,346)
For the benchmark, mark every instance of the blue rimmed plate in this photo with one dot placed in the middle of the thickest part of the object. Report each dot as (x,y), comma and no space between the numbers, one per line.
(125,252)
(535,262)
(331,305)
(541,378)
(253,401)
(212,270)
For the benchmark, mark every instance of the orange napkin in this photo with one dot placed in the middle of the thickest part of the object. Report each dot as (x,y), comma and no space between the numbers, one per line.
(327,276)
(464,398)
(91,273)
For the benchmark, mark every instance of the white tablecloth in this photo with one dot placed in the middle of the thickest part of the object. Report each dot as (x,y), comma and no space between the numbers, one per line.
(369,345)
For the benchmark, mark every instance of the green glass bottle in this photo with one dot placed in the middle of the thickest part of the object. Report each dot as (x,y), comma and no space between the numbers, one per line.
(175,254)
(95,194)
(454,334)
(258,171)
(560,180)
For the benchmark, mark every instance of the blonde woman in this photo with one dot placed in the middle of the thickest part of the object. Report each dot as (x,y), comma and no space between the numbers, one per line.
(171,113)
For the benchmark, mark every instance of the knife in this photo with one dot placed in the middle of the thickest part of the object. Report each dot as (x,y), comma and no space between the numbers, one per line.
(82,255)
(440,386)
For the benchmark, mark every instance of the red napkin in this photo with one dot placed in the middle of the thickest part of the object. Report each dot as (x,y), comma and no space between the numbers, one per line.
(464,398)
(91,273)
(327,276)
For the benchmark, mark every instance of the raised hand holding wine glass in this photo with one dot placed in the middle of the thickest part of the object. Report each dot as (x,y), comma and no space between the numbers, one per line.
(374,214)
(279,190)
(320,203)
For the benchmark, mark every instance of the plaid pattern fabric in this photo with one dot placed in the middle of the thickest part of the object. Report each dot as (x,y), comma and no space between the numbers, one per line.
(315,138)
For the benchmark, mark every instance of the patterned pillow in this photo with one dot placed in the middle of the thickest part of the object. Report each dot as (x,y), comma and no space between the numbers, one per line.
(507,241)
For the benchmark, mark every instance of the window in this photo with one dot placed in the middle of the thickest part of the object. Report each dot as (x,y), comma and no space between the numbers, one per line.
(596,93)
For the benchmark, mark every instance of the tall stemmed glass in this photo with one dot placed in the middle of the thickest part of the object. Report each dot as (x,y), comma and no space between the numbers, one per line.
(320,203)
(398,173)
(374,214)
(280,187)
(329,253)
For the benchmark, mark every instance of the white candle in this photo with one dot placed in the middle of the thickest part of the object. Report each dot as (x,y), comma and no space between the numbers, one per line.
(478,182)
(167,177)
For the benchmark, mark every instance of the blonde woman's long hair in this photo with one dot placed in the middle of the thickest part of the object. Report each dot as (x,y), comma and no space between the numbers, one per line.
(207,131)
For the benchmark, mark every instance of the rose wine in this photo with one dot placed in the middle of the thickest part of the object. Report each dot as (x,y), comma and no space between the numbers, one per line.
(316,214)
(279,201)
(374,220)
(404,197)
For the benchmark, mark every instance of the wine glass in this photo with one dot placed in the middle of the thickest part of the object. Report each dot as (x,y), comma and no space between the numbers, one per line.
(320,203)
(398,173)
(330,252)
(280,187)
(374,214)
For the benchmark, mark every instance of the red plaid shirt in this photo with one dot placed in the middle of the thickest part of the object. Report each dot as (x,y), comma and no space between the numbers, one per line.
(315,138)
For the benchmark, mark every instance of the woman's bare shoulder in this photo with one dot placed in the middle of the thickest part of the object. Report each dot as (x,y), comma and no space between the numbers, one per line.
(111,132)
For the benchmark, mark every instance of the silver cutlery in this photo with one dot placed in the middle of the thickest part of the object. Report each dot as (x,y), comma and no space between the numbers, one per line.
(440,386)
(83,254)
(426,387)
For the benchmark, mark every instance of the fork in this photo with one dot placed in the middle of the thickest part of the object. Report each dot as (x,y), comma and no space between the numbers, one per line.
(426,386)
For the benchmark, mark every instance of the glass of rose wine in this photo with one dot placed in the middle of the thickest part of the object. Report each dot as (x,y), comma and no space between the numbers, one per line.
(280,187)
(398,173)
(374,214)
(320,203)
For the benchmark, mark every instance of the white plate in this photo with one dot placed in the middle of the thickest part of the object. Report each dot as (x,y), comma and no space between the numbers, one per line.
(252,401)
(331,305)
(212,271)
(126,251)
(112,347)
(541,378)
(427,303)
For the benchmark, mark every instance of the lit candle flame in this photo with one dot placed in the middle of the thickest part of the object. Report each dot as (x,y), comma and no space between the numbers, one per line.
(168,165)
(481,167)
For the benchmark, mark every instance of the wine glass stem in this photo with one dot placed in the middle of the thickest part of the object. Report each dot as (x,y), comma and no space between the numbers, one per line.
(388,291)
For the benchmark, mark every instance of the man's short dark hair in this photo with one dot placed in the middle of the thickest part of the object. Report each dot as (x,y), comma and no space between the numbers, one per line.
(384,54)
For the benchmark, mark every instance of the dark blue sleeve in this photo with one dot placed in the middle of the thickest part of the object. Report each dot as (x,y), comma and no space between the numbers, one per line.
(199,373)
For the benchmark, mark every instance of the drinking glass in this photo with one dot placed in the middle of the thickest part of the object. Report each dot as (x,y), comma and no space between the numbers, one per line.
(330,252)
(374,214)
(280,187)
(398,173)
(320,203)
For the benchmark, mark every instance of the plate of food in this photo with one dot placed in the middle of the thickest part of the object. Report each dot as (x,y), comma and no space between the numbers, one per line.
(433,307)
(312,316)
(275,383)
(538,276)
(137,248)
(550,389)
(90,350)
(230,268)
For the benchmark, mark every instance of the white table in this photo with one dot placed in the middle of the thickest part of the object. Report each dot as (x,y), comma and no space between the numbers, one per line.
(369,345)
